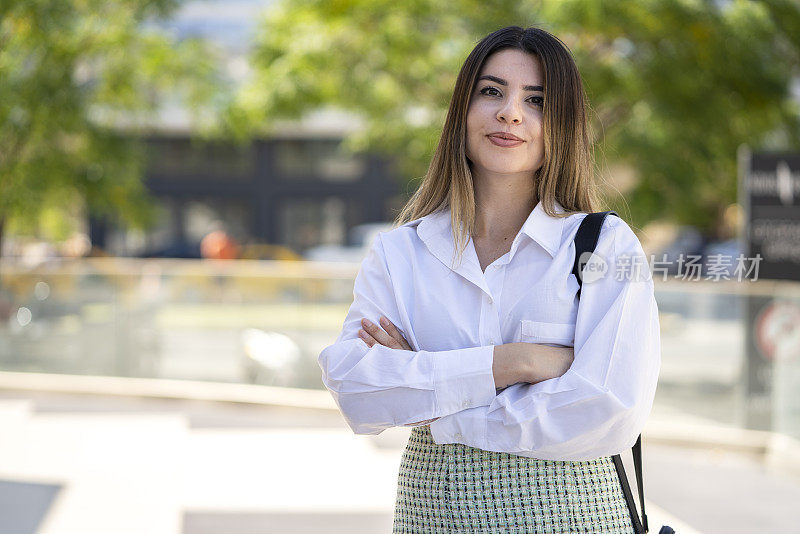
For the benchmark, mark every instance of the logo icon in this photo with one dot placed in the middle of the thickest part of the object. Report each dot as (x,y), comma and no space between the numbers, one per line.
(591,267)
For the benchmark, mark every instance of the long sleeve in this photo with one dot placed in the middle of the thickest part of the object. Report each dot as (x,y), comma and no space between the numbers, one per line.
(599,406)
(379,387)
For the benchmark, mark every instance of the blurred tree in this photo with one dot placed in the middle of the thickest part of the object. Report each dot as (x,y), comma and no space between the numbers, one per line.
(79,80)
(676,85)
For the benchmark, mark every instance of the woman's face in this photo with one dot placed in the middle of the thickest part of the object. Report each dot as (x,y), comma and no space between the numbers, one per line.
(510,101)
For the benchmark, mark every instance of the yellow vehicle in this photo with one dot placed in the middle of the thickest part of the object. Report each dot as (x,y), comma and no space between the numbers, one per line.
(265,251)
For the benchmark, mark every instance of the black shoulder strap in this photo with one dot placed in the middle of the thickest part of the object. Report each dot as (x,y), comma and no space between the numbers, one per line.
(586,241)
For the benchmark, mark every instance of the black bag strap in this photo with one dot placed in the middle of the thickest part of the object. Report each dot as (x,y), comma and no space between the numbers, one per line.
(586,241)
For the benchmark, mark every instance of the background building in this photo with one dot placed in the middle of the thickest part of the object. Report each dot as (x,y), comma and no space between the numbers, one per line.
(298,191)
(296,188)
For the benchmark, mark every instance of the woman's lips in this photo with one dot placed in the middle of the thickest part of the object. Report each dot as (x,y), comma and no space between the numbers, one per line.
(499,141)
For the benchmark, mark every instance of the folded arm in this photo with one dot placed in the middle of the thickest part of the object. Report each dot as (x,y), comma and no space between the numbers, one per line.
(512,362)
(377,387)
(599,405)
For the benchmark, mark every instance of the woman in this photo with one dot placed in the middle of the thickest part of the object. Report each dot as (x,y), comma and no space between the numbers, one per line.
(517,396)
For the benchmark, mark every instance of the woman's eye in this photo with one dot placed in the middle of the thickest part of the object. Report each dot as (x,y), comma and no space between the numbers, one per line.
(536,100)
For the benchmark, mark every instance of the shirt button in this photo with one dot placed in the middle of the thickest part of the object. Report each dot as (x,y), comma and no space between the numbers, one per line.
(465,404)
(491,301)
(459,436)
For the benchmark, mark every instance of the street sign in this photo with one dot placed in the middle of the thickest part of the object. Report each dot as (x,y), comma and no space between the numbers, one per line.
(769,191)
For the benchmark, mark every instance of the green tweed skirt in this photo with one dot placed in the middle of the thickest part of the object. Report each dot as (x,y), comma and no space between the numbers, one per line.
(456,488)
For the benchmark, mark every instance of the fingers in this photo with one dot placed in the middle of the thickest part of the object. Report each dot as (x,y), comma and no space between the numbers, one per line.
(389,336)
(368,339)
(378,335)
(394,332)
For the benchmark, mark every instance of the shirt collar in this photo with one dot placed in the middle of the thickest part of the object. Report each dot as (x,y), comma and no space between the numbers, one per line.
(435,230)
(544,229)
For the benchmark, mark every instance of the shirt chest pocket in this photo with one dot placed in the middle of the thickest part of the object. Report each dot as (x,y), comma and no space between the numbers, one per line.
(558,334)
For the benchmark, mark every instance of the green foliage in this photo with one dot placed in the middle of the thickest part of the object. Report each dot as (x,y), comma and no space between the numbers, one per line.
(376,59)
(79,80)
(676,85)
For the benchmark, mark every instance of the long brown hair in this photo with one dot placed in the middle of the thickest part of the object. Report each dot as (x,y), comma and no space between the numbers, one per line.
(567,171)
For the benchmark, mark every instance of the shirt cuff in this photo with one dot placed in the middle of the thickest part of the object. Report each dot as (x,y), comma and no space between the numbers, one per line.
(467,427)
(463,379)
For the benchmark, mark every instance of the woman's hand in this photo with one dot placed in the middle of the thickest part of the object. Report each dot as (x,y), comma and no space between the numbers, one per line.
(529,362)
(545,362)
(552,362)
(391,337)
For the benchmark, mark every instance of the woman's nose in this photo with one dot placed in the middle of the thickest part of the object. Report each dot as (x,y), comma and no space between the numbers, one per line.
(510,112)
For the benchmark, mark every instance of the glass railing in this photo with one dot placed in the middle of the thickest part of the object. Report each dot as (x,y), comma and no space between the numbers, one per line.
(265,322)
(731,352)
(246,321)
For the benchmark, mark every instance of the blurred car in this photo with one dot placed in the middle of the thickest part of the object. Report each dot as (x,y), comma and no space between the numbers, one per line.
(689,244)
(726,252)
(176,249)
(251,251)
(269,358)
(360,240)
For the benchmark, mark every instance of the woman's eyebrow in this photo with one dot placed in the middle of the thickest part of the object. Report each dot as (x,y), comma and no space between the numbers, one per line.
(501,81)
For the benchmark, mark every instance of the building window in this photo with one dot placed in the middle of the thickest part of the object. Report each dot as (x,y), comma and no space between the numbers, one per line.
(305,223)
(317,159)
(184,158)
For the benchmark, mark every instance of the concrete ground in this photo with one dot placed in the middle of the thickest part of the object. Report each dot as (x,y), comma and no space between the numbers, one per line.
(73,463)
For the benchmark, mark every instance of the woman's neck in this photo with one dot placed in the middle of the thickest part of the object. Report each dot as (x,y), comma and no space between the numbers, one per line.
(502,211)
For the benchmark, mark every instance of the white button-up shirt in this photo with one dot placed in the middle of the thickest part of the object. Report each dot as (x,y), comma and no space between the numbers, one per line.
(453,318)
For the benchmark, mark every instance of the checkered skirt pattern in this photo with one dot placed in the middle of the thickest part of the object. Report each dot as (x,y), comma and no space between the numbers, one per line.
(456,488)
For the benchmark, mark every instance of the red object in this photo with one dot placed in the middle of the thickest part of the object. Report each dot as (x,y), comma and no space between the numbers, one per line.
(777,330)
(219,246)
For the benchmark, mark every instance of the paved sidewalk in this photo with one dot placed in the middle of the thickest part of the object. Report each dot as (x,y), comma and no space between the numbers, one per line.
(89,464)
